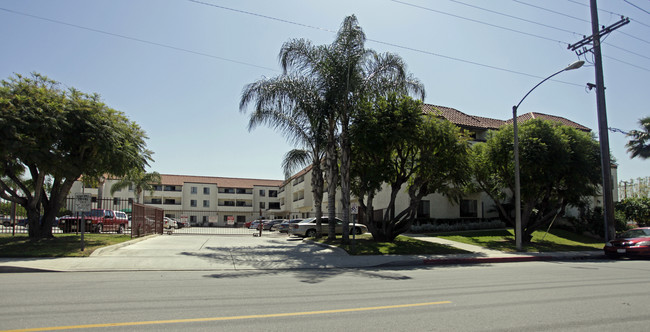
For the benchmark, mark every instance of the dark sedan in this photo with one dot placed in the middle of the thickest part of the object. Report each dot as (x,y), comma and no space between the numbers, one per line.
(632,243)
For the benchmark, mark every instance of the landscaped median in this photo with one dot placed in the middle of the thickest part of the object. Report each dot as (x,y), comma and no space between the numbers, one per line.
(61,245)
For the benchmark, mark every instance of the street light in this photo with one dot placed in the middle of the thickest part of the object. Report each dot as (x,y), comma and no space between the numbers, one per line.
(518,229)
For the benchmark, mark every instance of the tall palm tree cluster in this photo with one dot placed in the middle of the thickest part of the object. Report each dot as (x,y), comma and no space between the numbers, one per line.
(313,102)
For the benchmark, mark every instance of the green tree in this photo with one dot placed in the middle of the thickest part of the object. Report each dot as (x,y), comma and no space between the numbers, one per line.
(639,144)
(292,105)
(636,209)
(396,145)
(559,166)
(139,181)
(347,74)
(56,136)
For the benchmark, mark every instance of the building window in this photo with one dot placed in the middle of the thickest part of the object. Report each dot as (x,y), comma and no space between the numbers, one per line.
(156,201)
(206,191)
(273,193)
(274,205)
(468,208)
(423,209)
(193,219)
(193,203)
(193,190)
(206,203)
(157,188)
(241,190)
(262,192)
(262,205)
(205,219)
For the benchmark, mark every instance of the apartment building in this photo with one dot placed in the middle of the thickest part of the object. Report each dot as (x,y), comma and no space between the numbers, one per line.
(203,200)
(296,195)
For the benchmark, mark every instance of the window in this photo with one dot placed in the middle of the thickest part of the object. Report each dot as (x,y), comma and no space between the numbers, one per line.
(193,203)
(241,190)
(193,219)
(273,193)
(468,208)
(193,190)
(206,203)
(262,192)
(274,205)
(156,201)
(157,188)
(262,205)
(205,219)
(423,209)
(206,191)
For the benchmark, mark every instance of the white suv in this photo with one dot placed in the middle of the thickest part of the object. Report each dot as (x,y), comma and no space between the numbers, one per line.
(307,227)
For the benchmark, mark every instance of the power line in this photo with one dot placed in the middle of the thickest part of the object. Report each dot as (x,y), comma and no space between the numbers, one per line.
(136,39)
(552,11)
(477,21)
(550,26)
(637,7)
(396,45)
(516,17)
(609,12)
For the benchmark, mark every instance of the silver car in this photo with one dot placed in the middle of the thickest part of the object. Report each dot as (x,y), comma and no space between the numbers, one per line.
(307,227)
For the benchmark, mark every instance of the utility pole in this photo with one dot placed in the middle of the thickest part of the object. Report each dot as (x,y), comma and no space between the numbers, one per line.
(605,159)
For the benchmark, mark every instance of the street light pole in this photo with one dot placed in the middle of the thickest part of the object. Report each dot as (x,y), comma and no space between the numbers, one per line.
(518,230)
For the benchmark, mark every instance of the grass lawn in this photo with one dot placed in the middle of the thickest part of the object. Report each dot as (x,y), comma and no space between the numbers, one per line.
(365,245)
(504,240)
(62,245)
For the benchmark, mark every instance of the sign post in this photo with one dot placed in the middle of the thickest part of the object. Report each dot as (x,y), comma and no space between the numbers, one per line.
(82,204)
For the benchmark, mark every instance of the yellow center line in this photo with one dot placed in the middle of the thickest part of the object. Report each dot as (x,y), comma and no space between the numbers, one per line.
(212,319)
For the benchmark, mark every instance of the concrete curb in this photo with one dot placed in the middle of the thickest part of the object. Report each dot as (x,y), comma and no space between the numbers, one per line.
(103,250)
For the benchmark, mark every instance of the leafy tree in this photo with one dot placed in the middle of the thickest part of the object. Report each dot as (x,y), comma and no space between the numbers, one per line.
(559,166)
(639,144)
(394,144)
(346,74)
(58,135)
(139,181)
(636,209)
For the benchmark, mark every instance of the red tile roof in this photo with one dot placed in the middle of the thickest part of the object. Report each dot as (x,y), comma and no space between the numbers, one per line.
(178,180)
(464,120)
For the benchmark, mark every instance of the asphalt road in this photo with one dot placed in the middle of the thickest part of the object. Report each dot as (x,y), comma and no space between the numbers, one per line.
(534,296)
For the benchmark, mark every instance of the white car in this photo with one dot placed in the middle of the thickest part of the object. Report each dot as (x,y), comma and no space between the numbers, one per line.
(170,223)
(307,227)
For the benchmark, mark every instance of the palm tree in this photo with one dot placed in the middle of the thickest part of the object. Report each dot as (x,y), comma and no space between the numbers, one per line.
(347,73)
(639,144)
(139,181)
(293,105)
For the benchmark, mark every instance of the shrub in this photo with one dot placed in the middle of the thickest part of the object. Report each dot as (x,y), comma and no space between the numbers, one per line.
(457,226)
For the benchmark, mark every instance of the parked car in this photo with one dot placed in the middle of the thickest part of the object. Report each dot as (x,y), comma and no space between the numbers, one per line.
(632,243)
(268,225)
(283,227)
(254,224)
(169,223)
(182,223)
(97,220)
(23,222)
(307,227)
(249,223)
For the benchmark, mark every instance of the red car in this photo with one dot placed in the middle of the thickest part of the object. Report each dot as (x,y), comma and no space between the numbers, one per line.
(632,243)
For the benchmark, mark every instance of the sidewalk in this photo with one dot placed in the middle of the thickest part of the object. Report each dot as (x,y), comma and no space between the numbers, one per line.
(269,252)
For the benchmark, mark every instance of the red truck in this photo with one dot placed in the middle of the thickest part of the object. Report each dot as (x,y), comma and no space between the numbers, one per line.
(97,220)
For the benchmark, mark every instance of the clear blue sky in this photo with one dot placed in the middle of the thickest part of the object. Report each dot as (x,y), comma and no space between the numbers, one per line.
(177,67)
